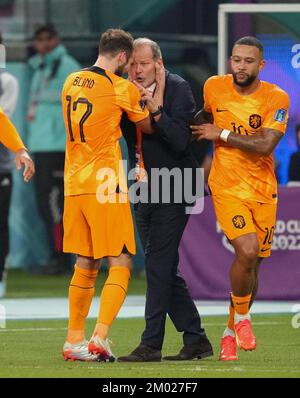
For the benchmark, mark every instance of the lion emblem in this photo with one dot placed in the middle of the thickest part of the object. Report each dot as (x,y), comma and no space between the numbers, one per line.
(239,222)
(255,121)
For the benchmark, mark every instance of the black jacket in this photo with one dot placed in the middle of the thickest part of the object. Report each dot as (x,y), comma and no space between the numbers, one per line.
(294,167)
(169,145)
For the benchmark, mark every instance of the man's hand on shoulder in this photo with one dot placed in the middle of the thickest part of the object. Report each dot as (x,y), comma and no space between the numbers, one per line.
(206,131)
(203,117)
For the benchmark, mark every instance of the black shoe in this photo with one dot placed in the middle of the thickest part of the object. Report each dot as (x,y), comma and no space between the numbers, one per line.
(142,353)
(191,351)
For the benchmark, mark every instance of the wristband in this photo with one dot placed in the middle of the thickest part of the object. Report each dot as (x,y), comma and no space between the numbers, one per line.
(158,112)
(224,135)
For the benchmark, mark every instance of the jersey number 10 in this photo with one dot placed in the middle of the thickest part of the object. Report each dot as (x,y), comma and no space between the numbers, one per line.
(82,120)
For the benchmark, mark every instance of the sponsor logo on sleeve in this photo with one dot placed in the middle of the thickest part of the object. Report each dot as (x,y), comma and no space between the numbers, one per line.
(280,115)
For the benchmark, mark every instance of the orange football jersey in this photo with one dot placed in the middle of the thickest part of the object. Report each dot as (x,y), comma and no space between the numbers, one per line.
(93,102)
(235,172)
(9,136)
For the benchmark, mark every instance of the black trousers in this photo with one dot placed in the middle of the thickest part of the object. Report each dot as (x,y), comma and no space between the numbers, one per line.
(49,186)
(5,196)
(161,227)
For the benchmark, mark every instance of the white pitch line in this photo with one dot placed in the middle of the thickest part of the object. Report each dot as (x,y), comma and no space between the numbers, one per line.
(243,370)
(56,329)
(253,323)
(112,367)
(32,330)
(134,307)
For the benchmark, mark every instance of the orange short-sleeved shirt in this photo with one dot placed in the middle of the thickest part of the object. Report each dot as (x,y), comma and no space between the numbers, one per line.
(93,102)
(235,172)
(9,136)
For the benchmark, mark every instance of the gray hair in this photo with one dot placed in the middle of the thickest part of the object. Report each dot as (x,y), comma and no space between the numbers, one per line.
(144,41)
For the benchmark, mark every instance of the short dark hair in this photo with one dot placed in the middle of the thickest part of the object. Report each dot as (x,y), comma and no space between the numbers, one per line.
(114,41)
(48,28)
(250,41)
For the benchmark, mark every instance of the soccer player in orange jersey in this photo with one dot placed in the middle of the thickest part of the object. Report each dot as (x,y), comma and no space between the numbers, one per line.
(93,102)
(250,118)
(10,138)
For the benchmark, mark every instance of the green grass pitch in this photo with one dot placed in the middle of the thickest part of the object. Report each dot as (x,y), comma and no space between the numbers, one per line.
(32,349)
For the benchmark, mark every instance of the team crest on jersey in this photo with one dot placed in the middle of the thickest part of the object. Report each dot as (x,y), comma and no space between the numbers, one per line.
(255,121)
(280,115)
(239,222)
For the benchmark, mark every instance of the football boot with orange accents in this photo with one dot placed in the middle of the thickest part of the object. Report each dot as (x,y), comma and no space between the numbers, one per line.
(79,352)
(101,348)
(228,349)
(244,335)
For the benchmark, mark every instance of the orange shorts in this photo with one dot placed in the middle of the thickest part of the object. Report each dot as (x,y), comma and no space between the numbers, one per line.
(97,230)
(238,217)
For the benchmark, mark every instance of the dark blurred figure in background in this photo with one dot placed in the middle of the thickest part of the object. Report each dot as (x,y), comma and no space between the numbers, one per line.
(294,167)
(9,90)
(51,65)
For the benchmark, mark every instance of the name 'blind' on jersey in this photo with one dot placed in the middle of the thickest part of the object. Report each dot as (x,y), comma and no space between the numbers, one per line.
(245,175)
(93,102)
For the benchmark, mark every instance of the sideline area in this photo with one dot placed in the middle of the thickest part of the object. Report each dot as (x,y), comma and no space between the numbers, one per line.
(134,306)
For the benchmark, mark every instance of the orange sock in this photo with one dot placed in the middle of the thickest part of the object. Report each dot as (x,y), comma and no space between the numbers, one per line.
(230,323)
(241,304)
(81,292)
(112,297)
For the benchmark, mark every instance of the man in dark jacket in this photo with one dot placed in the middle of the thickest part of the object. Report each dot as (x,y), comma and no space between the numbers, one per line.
(161,221)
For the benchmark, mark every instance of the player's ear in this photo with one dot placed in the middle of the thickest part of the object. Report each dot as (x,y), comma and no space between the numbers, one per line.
(262,64)
(122,57)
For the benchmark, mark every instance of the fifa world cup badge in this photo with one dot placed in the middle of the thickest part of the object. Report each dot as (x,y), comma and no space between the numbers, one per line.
(280,115)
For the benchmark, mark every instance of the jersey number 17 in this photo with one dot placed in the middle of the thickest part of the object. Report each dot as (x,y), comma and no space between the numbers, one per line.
(84,118)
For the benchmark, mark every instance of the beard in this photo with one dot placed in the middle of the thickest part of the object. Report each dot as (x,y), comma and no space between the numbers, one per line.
(245,83)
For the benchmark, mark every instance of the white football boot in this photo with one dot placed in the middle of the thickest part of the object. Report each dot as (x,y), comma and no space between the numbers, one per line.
(79,352)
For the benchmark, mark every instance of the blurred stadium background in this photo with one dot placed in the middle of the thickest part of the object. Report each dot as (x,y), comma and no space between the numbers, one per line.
(188,34)
(187,31)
